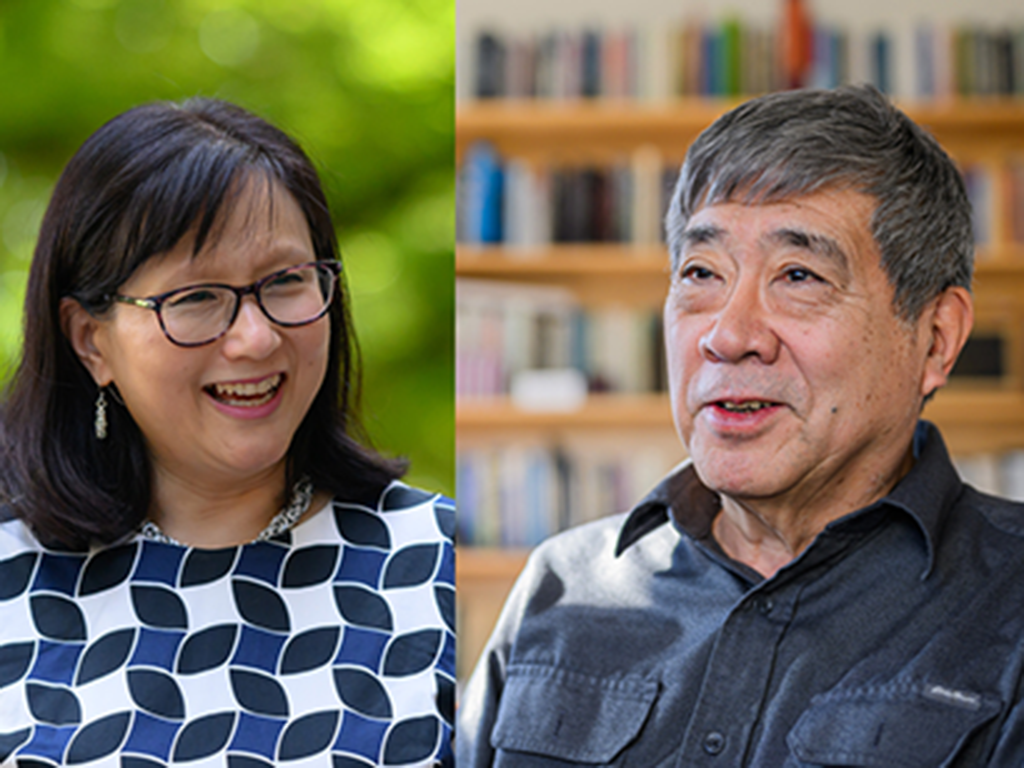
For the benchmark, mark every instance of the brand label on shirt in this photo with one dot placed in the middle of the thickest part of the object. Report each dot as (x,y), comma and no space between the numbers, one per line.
(962,699)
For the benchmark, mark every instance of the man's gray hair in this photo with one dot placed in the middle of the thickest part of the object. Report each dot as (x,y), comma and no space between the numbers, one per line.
(785,145)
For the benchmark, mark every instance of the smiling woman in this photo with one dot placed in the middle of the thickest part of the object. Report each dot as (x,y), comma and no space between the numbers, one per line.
(201,560)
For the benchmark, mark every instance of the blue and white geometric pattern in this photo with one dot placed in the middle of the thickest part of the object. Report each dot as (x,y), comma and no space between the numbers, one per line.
(331,645)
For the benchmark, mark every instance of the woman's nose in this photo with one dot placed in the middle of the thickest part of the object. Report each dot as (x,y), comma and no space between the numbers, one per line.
(252,334)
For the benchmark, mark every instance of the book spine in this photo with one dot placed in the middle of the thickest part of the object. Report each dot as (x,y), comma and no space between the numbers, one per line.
(924,58)
(590,86)
(881,62)
(730,57)
(490,66)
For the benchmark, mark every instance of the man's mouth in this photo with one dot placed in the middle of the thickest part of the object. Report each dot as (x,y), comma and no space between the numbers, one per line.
(246,394)
(744,406)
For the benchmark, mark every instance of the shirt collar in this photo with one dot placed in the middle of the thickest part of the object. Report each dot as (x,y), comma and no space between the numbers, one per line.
(926,494)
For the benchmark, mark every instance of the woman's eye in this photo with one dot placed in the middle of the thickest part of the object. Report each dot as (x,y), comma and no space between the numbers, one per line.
(288,278)
(201,296)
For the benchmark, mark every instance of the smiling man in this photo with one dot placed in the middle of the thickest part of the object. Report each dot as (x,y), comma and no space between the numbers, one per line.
(817,587)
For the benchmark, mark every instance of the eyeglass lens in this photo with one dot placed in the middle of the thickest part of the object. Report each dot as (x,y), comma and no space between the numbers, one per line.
(292,297)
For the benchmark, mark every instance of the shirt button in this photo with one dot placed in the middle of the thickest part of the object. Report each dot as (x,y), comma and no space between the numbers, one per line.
(714,743)
(765,605)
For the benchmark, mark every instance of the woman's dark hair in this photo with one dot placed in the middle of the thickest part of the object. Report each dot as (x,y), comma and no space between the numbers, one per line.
(134,189)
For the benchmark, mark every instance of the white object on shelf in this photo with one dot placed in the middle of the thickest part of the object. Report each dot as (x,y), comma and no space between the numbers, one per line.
(550,390)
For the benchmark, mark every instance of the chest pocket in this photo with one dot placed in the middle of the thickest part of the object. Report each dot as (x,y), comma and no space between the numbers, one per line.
(894,726)
(570,716)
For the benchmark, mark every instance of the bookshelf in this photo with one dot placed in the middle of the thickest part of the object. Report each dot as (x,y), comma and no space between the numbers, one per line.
(977,416)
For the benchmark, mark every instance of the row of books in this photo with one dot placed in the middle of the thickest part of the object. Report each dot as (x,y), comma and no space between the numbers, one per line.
(996,192)
(513,202)
(518,494)
(734,57)
(698,59)
(968,61)
(504,330)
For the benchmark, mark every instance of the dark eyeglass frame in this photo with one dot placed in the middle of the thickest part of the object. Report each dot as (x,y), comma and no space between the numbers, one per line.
(156,303)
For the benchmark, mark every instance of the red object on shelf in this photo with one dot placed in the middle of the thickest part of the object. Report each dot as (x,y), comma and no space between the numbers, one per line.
(797,41)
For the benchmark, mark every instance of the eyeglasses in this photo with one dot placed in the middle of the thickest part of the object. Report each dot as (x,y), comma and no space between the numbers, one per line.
(201,314)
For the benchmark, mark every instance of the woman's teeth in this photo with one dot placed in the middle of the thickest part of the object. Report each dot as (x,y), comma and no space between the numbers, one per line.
(249,394)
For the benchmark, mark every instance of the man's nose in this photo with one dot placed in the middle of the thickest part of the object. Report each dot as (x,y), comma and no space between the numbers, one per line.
(741,328)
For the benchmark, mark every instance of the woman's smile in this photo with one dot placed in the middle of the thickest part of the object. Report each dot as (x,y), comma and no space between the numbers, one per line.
(250,393)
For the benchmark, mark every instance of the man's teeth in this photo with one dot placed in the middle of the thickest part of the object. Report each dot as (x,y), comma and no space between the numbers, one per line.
(747,406)
(249,393)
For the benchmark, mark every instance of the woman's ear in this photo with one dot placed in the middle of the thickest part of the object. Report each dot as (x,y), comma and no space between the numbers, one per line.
(83,330)
(950,324)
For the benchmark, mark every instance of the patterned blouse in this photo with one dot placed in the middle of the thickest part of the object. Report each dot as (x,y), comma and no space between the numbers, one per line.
(330,645)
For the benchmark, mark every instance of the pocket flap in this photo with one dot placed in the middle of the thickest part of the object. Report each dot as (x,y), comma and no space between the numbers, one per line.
(889,726)
(569,715)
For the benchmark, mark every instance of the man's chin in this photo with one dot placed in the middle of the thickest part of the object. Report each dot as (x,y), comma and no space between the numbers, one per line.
(740,474)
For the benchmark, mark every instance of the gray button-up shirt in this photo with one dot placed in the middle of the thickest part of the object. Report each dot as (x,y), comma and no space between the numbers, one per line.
(894,639)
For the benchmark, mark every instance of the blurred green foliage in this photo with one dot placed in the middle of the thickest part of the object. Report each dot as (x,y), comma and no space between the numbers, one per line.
(366,86)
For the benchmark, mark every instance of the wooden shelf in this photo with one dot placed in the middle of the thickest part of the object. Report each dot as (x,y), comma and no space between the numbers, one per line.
(1004,260)
(975,118)
(978,421)
(482,563)
(529,128)
(599,412)
(605,259)
(488,117)
(596,273)
(524,127)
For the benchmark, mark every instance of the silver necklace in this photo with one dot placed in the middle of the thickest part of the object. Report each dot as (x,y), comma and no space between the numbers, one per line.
(302,495)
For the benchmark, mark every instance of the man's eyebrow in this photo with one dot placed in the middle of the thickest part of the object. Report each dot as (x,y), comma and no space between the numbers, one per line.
(701,233)
(819,245)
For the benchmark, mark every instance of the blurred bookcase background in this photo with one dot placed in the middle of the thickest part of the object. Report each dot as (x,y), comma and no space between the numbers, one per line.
(571,123)
(366,88)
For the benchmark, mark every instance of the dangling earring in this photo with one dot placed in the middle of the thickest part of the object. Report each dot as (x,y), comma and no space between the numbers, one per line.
(100,424)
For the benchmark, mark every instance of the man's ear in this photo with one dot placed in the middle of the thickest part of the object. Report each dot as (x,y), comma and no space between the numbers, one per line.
(949,323)
(82,330)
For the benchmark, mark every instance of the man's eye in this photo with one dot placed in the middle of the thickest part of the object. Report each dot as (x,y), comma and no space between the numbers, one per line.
(697,273)
(800,275)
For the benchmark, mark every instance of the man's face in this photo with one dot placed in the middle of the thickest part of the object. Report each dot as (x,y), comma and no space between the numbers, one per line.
(792,379)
